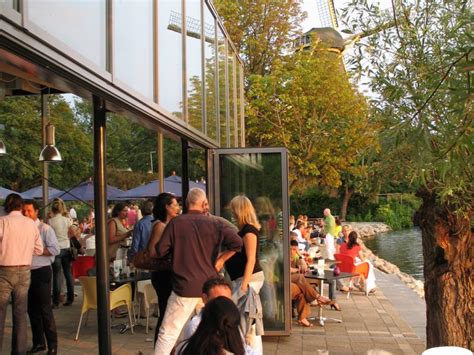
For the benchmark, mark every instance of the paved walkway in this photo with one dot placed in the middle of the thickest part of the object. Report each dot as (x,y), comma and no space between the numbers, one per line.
(385,323)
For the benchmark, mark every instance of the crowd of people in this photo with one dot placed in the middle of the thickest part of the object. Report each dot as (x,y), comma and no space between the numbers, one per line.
(192,251)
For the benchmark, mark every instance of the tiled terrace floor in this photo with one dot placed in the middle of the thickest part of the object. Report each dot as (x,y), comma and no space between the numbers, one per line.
(371,325)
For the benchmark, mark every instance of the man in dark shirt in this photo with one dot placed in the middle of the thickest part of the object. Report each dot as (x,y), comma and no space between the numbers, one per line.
(194,241)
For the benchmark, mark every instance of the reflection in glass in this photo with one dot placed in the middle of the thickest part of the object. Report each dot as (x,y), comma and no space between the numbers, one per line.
(170,72)
(194,62)
(81,25)
(222,87)
(210,70)
(239,104)
(231,84)
(133,45)
(259,177)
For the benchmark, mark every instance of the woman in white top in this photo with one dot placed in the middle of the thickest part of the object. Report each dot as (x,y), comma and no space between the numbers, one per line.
(62,224)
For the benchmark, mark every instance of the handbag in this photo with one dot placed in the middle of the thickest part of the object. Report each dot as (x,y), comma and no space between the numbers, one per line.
(75,248)
(143,260)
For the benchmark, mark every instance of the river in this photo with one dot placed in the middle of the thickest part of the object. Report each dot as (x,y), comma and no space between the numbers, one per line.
(402,248)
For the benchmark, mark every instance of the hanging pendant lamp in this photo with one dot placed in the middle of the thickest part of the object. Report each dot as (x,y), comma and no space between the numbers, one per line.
(50,152)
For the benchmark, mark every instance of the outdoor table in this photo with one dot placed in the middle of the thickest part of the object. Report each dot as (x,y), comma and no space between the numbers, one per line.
(133,279)
(327,277)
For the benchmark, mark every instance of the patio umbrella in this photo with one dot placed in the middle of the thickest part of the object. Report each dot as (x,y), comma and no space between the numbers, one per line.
(85,192)
(5,192)
(37,192)
(151,190)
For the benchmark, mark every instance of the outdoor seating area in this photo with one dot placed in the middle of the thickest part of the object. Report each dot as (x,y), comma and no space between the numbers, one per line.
(369,323)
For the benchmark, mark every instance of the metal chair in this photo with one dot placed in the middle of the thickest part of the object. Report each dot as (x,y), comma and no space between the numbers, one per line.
(346,264)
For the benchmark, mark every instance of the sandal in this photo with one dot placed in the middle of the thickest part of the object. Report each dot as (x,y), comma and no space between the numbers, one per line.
(307,325)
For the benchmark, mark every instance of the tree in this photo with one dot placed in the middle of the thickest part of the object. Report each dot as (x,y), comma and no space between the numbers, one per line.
(307,105)
(419,71)
(261,30)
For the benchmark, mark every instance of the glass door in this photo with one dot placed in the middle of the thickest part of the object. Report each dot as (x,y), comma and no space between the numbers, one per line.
(262,175)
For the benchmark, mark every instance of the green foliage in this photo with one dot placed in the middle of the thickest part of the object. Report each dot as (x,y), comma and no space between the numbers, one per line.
(417,59)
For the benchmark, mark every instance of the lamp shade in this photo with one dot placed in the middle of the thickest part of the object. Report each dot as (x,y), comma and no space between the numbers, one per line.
(50,152)
(3,149)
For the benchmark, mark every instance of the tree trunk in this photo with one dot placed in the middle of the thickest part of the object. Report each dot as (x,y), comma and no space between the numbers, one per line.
(345,203)
(448,271)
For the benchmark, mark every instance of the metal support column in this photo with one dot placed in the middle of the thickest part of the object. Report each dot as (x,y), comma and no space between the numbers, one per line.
(44,122)
(100,206)
(160,160)
(184,172)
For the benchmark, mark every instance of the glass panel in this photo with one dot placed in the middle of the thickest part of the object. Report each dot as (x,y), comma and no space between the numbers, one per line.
(194,62)
(222,87)
(239,104)
(231,83)
(133,44)
(79,24)
(170,57)
(16,5)
(210,55)
(259,177)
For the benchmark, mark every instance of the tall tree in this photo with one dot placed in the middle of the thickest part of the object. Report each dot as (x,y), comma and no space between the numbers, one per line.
(261,30)
(308,105)
(419,70)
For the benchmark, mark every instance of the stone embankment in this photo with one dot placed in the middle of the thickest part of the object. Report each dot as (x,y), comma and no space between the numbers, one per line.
(368,230)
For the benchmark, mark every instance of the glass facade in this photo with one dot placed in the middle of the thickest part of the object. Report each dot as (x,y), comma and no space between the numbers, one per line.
(133,45)
(170,53)
(240,106)
(194,63)
(210,67)
(221,63)
(80,25)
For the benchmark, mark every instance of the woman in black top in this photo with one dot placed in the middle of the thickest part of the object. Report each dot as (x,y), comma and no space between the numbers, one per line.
(243,267)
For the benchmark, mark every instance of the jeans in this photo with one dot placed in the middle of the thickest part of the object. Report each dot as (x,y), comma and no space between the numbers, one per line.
(39,308)
(15,281)
(178,311)
(62,261)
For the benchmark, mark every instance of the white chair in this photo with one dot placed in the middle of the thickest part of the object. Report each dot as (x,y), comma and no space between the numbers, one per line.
(149,298)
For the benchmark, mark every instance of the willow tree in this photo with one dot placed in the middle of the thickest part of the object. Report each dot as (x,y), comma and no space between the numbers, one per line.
(308,105)
(419,68)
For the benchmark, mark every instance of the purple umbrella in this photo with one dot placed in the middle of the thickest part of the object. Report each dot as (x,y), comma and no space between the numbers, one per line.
(37,192)
(5,192)
(85,192)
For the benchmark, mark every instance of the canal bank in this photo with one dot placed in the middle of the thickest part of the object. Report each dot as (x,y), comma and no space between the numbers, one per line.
(369,230)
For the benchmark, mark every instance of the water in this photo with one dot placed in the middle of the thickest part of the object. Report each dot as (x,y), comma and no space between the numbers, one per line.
(402,248)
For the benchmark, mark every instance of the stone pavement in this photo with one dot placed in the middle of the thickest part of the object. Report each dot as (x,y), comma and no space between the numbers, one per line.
(383,323)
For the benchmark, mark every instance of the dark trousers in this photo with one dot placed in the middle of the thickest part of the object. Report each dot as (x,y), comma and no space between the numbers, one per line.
(62,261)
(14,281)
(40,310)
(161,281)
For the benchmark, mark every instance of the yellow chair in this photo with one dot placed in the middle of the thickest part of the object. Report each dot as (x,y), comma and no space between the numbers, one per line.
(121,296)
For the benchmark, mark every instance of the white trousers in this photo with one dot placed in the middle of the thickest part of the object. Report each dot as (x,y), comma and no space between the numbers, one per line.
(178,311)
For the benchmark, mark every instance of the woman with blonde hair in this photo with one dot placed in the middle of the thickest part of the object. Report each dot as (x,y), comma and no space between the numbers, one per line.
(243,267)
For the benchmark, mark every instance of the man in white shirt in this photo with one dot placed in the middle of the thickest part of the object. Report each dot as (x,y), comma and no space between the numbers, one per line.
(39,294)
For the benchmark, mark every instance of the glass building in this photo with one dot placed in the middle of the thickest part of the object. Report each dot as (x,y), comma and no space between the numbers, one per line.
(170,66)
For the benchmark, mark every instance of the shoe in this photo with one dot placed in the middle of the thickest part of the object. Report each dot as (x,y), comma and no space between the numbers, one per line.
(55,306)
(52,351)
(372,291)
(344,289)
(68,303)
(335,306)
(36,349)
(307,324)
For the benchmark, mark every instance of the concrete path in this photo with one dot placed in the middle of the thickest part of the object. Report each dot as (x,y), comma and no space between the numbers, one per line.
(385,323)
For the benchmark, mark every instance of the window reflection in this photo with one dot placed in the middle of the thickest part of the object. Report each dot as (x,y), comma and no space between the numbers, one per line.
(194,62)
(222,87)
(210,70)
(81,25)
(231,84)
(133,45)
(170,56)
